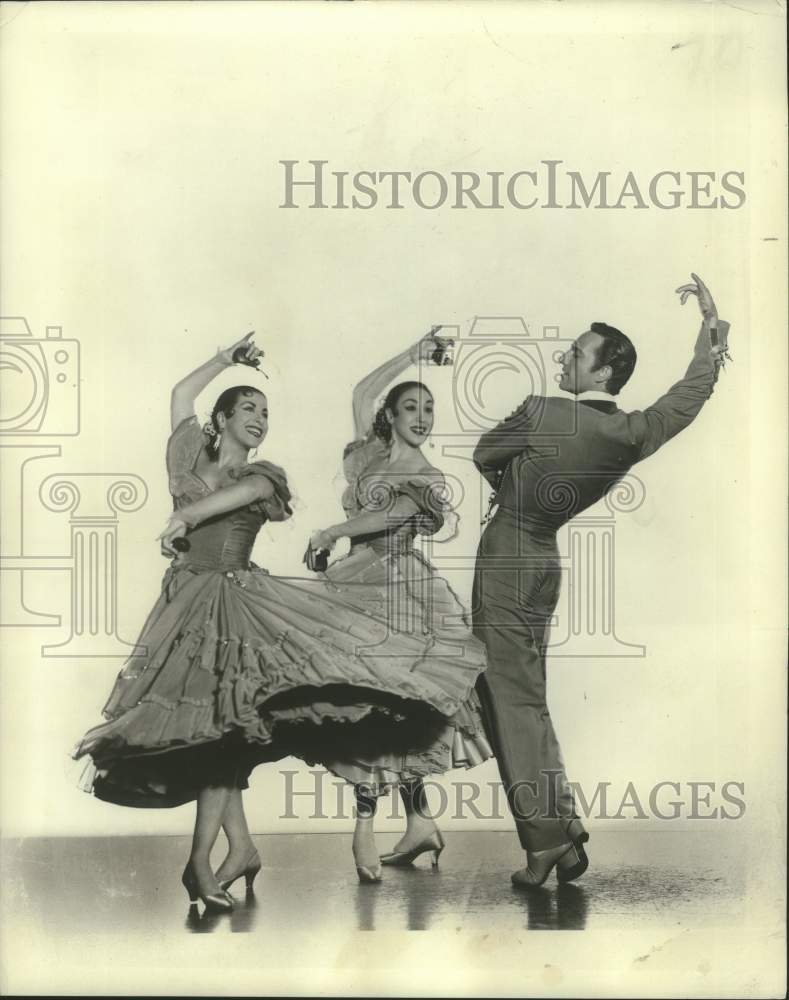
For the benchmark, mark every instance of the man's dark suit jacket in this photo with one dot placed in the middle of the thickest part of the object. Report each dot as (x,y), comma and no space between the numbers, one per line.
(558,457)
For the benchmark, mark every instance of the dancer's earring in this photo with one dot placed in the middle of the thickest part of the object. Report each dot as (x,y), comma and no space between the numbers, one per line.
(218,438)
(215,437)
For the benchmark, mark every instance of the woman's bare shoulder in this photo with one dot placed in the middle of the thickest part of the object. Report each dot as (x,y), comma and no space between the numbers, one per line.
(430,472)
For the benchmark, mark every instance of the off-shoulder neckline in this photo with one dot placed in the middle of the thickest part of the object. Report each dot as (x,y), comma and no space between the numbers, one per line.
(428,470)
(193,468)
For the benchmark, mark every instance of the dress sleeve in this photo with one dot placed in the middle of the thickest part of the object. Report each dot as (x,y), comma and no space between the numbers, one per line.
(428,492)
(353,447)
(183,449)
(359,454)
(277,506)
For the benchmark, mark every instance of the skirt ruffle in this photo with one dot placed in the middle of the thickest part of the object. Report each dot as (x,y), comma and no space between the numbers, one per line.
(369,669)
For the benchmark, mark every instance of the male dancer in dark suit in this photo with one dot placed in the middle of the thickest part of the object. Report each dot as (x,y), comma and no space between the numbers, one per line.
(550,460)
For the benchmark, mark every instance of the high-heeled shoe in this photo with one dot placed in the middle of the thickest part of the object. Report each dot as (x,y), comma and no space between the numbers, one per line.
(248,872)
(541,864)
(369,874)
(433,843)
(574,863)
(363,837)
(365,872)
(212,901)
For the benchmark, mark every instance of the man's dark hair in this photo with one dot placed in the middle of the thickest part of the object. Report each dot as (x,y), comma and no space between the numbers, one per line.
(618,352)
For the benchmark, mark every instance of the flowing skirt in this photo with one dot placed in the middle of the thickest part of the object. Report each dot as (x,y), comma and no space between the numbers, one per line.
(368,670)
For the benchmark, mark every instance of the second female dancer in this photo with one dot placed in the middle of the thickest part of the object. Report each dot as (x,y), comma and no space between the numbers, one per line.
(394,494)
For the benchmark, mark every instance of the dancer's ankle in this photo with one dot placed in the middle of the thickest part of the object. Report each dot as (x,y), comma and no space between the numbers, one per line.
(239,853)
(419,819)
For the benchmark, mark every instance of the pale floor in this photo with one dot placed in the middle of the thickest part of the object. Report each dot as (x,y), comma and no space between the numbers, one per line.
(670,913)
(94,886)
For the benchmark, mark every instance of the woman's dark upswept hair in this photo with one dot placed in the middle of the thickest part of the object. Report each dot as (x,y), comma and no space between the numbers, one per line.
(381,426)
(226,404)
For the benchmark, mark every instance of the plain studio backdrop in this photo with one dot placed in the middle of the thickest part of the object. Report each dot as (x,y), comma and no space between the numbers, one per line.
(140,200)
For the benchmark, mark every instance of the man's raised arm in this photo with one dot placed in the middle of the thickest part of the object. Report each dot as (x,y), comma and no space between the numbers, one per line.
(676,410)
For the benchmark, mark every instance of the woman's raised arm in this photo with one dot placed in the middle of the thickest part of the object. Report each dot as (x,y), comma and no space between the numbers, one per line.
(372,385)
(185,392)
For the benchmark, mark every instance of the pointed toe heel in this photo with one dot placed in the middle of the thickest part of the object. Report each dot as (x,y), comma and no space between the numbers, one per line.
(250,877)
(249,873)
(221,903)
(368,875)
(189,883)
(573,864)
(541,864)
(218,902)
(400,859)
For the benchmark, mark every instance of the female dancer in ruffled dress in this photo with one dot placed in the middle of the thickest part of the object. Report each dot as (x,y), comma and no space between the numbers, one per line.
(242,667)
(394,493)
(181,719)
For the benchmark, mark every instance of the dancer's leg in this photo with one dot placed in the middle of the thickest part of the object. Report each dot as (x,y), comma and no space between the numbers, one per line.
(365,852)
(419,823)
(241,848)
(211,804)
(512,612)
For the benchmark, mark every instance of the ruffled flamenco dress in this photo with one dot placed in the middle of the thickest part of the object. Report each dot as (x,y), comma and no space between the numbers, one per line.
(368,669)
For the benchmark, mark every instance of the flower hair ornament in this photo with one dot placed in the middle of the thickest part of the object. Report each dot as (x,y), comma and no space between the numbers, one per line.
(216,436)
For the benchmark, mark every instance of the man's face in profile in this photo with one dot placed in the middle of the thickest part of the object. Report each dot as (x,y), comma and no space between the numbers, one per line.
(578,364)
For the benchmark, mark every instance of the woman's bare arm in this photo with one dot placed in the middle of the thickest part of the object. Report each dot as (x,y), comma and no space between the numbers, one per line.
(372,386)
(368,523)
(186,391)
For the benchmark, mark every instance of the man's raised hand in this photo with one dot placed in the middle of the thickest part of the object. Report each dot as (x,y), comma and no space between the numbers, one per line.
(702,293)
(719,350)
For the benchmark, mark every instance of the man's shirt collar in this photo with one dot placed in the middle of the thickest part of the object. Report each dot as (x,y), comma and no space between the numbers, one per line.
(595,396)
